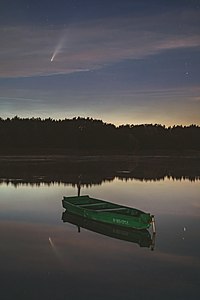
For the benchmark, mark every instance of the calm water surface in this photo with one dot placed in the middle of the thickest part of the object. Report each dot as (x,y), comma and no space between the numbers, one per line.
(42,257)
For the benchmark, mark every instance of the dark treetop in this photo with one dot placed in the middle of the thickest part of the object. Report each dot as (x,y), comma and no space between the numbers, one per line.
(89,136)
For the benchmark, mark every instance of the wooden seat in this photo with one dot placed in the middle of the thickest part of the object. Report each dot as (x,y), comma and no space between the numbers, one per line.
(112,209)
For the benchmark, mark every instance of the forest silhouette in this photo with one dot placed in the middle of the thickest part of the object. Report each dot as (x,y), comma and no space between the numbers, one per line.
(90,136)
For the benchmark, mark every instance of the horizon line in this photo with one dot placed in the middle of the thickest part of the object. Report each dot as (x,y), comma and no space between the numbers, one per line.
(94,119)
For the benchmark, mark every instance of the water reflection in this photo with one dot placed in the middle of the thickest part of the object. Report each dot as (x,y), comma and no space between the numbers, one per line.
(43,258)
(96,170)
(141,237)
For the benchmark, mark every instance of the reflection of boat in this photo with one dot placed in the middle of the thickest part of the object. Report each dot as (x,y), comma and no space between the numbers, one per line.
(106,212)
(141,237)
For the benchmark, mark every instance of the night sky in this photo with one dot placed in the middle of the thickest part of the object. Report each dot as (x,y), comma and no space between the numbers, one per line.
(122,61)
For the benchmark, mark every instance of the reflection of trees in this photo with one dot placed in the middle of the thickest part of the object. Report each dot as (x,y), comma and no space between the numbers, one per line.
(95,171)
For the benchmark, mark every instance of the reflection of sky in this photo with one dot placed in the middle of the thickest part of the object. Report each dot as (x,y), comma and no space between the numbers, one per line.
(37,248)
(162,197)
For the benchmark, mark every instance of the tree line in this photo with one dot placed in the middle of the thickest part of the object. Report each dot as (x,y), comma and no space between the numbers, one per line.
(87,135)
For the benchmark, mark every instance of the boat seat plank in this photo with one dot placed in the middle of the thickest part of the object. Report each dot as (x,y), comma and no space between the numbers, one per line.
(91,204)
(112,209)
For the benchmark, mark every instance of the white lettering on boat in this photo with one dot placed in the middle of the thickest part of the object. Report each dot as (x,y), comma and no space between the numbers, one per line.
(120,221)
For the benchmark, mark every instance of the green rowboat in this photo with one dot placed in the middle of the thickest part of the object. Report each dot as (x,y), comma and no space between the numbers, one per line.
(141,237)
(107,212)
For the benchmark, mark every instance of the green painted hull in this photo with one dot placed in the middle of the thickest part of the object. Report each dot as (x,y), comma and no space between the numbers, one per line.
(106,212)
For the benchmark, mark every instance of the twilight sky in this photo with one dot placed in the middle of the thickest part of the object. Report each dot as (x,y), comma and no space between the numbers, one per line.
(122,61)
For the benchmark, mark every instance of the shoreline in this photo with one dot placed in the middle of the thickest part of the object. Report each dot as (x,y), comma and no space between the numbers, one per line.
(95,157)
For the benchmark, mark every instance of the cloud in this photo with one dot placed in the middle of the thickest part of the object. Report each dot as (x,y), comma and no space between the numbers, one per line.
(26,51)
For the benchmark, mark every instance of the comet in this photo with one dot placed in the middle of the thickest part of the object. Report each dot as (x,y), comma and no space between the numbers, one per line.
(59,47)
(53,57)
(57,50)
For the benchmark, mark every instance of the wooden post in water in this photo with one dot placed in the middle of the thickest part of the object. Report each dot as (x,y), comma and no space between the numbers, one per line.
(153,225)
(154,233)
(153,241)
(79,185)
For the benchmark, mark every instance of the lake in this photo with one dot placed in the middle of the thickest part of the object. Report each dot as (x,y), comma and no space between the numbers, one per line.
(43,256)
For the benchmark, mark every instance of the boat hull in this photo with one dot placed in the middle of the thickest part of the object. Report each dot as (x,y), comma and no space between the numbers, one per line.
(107,212)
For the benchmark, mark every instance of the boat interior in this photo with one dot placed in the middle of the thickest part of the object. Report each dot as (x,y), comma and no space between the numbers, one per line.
(86,202)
